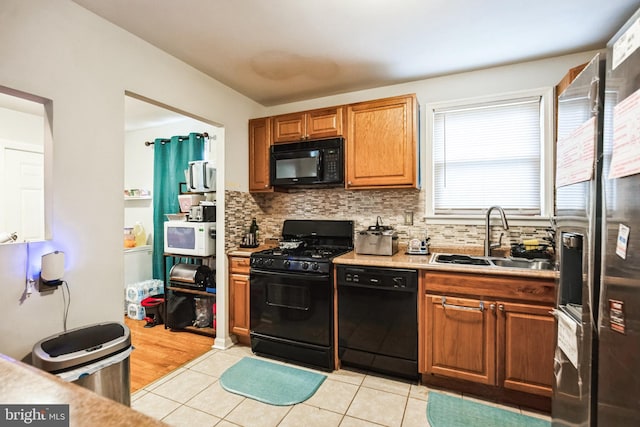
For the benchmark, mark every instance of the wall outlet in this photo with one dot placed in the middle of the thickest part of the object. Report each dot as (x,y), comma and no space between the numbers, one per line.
(408,218)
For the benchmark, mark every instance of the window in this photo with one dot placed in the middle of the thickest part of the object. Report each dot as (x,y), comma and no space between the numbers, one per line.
(491,152)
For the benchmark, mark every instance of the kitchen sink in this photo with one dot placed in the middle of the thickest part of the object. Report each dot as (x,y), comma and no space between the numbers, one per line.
(531,264)
(482,261)
(462,259)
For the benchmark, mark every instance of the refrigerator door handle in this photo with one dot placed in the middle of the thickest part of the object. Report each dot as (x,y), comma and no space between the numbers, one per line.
(593,95)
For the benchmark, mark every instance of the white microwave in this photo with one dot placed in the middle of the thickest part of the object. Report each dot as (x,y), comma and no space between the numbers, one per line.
(190,238)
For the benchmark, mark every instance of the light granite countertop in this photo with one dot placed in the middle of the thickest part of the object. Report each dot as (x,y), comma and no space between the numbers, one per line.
(246,252)
(423,262)
(26,385)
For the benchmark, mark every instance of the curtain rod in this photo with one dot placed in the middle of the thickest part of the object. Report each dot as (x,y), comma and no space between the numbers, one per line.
(180,138)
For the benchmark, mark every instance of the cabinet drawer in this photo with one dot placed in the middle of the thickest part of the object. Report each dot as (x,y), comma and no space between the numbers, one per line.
(240,264)
(491,286)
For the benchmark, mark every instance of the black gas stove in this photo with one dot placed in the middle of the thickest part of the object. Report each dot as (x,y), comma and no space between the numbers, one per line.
(307,246)
(291,293)
(312,260)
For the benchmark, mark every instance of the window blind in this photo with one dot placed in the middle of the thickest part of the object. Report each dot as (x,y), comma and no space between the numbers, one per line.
(488,154)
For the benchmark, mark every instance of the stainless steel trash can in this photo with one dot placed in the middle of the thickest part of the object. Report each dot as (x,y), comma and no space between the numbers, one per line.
(95,357)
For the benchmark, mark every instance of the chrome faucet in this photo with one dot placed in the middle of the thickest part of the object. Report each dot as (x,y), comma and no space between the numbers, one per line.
(487,232)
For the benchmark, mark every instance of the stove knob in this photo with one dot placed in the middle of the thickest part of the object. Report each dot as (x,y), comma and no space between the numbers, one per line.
(305,265)
(315,266)
(287,263)
(259,261)
(269,262)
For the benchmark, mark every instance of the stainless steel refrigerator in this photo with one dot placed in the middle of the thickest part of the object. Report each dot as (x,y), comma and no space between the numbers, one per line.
(579,151)
(619,321)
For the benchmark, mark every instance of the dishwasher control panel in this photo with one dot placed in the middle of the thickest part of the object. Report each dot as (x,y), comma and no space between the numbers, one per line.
(393,278)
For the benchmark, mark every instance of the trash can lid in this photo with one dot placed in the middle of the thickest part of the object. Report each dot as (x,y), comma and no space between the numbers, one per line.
(81,346)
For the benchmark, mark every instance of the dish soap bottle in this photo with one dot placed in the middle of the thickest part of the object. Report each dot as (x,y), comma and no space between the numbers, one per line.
(139,234)
(254,230)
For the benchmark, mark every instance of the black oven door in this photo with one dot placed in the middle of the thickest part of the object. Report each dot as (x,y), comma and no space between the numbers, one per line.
(295,307)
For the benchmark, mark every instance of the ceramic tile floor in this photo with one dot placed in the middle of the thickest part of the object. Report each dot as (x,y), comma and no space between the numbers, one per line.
(191,396)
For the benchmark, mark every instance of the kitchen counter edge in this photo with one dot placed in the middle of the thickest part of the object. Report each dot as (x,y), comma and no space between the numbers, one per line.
(26,385)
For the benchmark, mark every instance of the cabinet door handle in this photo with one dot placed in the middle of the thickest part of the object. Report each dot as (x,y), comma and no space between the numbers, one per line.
(461,307)
(501,307)
(492,307)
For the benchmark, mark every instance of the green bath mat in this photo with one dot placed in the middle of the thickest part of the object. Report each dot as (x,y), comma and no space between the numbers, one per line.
(270,383)
(450,411)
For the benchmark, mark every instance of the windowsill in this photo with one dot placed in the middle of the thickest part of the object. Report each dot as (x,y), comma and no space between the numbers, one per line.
(514,220)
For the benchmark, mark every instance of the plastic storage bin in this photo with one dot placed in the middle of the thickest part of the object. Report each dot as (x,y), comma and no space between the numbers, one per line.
(95,357)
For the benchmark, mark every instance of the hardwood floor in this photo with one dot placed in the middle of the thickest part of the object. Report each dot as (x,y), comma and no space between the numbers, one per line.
(158,351)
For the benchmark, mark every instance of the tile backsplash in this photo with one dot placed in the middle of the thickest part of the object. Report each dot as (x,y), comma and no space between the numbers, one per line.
(363,207)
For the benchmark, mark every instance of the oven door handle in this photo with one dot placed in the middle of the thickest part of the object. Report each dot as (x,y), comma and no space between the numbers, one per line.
(292,307)
(312,276)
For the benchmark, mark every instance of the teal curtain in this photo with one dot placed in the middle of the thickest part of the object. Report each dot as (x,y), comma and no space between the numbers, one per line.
(171,158)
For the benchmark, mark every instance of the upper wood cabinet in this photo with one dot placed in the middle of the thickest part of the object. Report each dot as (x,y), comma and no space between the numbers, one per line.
(259,149)
(560,87)
(569,77)
(381,149)
(322,123)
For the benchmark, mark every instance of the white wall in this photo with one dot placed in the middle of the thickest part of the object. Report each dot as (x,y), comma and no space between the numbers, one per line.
(18,126)
(490,81)
(60,51)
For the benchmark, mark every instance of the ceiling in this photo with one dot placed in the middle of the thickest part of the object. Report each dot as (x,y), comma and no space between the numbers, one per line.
(279,51)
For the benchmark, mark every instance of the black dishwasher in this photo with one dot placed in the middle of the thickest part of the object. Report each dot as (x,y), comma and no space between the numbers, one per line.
(378,319)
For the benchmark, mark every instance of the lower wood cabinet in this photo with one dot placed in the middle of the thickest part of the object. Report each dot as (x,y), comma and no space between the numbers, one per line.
(489,340)
(525,347)
(460,341)
(239,297)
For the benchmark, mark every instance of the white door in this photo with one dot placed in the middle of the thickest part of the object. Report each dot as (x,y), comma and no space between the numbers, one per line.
(23,206)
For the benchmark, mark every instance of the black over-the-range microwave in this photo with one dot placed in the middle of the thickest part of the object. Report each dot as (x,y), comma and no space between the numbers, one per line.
(308,163)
